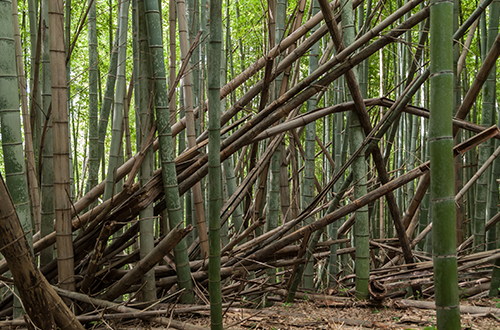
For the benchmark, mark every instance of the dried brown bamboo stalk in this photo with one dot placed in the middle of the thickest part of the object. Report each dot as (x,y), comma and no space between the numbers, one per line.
(185,63)
(466,47)
(295,209)
(325,152)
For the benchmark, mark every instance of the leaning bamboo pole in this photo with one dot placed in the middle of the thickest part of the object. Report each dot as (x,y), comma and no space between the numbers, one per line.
(42,304)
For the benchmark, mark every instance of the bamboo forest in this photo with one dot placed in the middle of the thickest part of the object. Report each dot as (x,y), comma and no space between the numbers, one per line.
(244,164)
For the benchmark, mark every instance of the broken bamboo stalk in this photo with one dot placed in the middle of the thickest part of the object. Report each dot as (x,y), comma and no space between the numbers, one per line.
(166,245)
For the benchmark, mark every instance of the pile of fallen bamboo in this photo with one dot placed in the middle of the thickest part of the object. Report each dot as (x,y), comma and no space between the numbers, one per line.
(106,271)
(107,261)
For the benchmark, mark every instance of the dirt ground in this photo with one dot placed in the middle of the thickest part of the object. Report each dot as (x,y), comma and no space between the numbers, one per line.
(317,315)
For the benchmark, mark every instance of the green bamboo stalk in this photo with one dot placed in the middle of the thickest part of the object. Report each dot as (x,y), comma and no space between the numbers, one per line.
(273,200)
(224,230)
(67,37)
(495,174)
(356,137)
(236,219)
(152,10)
(93,100)
(459,209)
(35,96)
(424,206)
(495,171)
(172,54)
(109,93)
(489,98)
(47,165)
(146,216)
(310,149)
(33,184)
(485,149)
(10,122)
(333,266)
(442,175)
(116,130)
(214,163)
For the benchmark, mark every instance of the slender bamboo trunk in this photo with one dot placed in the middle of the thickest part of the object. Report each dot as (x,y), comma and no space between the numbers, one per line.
(442,175)
(10,121)
(109,93)
(485,149)
(62,189)
(356,137)
(117,125)
(489,103)
(146,122)
(190,125)
(214,162)
(237,217)
(93,100)
(310,149)
(47,164)
(33,184)
(152,10)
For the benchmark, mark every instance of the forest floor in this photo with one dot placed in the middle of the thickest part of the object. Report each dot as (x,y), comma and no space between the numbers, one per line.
(321,315)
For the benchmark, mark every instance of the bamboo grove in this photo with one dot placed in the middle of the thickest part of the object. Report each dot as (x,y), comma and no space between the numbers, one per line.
(243,151)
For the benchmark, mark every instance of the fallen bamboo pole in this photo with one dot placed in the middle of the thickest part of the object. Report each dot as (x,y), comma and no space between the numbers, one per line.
(124,309)
(464,309)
